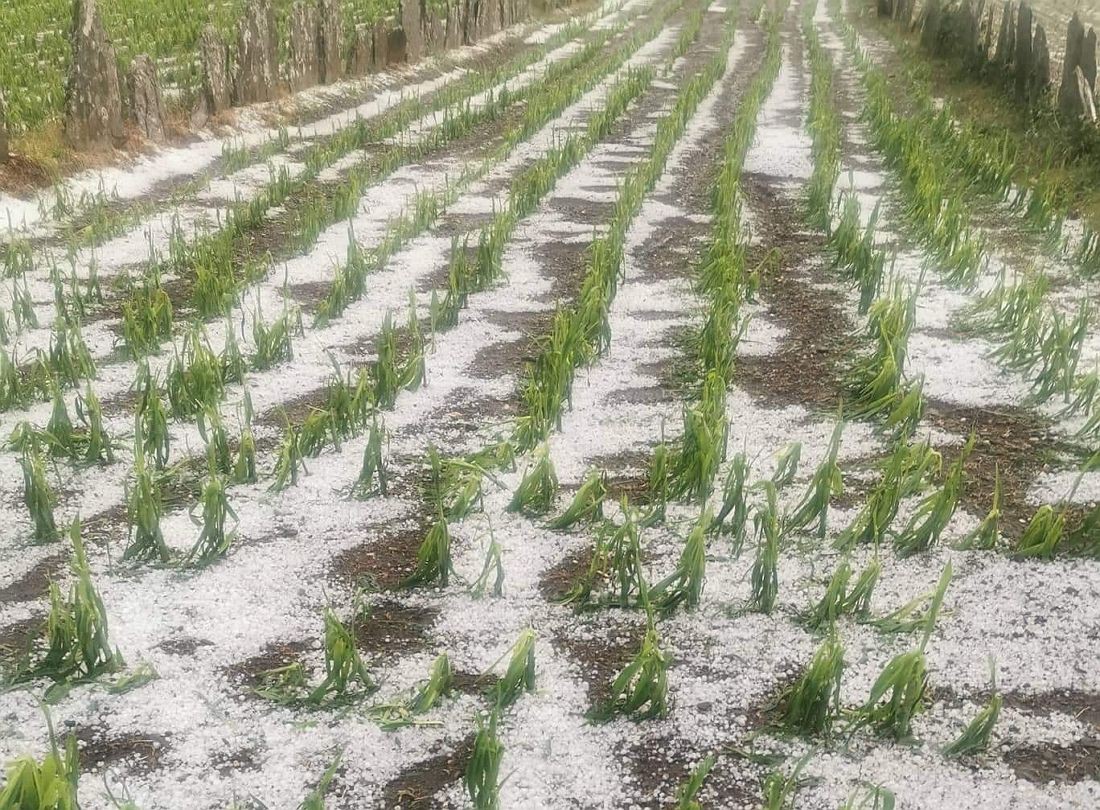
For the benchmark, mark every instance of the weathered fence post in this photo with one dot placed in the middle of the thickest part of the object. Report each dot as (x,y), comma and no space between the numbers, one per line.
(410,24)
(257,70)
(1006,42)
(3,128)
(214,57)
(332,41)
(1023,50)
(93,100)
(147,103)
(930,25)
(1039,81)
(305,65)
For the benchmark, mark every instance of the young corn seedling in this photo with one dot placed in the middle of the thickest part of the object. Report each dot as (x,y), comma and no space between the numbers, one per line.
(786,467)
(871,797)
(143,512)
(985,534)
(641,689)
(898,693)
(493,567)
(780,790)
(684,586)
(290,458)
(587,504)
(935,512)
(1043,534)
(703,445)
(976,736)
(195,379)
(49,785)
(482,777)
(831,605)
(233,364)
(316,798)
(433,558)
(274,342)
(69,358)
(92,435)
(536,492)
(214,535)
(37,495)
(685,795)
(826,483)
(520,675)
(152,418)
(213,434)
(77,643)
(373,474)
(244,468)
(812,704)
(765,568)
(146,319)
(616,561)
(903,474)
(387,374)
(404,713)
(414,373)
(657,485)
(457,484)
(346,676)
(734,513)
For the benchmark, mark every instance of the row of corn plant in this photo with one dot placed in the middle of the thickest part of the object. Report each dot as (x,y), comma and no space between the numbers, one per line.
(195,383)
(214,261)
(542,105)
(217,271)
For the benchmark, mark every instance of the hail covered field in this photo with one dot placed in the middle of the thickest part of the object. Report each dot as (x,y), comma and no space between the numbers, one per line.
(643,407)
